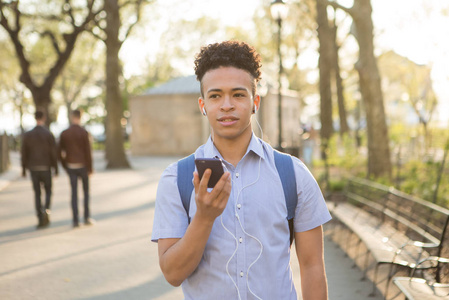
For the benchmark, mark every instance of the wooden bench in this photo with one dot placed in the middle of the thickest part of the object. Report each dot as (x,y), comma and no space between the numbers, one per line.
(424,289)
(397,229)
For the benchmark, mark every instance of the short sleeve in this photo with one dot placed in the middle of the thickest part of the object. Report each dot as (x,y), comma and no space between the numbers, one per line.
(170,217)
(311,210)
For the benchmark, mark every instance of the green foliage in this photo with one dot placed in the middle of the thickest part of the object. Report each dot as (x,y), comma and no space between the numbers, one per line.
(337,185)
(343,153)
(416,175)
(419,178)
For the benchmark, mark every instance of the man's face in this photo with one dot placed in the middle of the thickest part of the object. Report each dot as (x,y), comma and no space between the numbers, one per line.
(228,102)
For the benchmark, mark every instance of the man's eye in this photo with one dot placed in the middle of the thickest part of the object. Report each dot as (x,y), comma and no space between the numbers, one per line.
(213,96)
(239,95)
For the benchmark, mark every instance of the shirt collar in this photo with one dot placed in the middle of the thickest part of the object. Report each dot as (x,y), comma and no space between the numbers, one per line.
(255,146)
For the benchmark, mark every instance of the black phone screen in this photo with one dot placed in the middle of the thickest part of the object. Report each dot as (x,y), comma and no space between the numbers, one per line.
(210,163)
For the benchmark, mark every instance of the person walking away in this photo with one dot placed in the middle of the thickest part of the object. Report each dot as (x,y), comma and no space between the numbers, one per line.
(75,154)
(38,155)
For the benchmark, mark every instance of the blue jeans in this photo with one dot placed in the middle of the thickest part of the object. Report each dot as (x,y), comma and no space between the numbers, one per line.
(38,178)
(74,174)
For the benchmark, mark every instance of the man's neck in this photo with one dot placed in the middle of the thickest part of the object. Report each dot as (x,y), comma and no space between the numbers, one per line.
(233,150)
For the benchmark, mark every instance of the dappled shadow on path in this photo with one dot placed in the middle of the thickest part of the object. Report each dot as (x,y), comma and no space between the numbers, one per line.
(148,290)
(78,253)
(62,226)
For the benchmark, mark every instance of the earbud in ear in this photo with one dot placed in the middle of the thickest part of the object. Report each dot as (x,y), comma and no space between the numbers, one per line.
(204,111)
(255,109)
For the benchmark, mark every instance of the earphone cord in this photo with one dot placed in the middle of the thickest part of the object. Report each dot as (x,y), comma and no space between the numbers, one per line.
(237,242)
(251,236)
(244,231)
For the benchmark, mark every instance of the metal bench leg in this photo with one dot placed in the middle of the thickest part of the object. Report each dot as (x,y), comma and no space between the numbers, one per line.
(390,275)
(365,269)
(356,253)
(348,242)
(373,293)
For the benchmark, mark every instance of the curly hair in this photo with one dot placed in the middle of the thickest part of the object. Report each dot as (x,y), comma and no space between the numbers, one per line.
(228,54)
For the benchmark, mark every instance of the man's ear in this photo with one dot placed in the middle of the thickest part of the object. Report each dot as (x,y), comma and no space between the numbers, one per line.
(256,103)
(201,106)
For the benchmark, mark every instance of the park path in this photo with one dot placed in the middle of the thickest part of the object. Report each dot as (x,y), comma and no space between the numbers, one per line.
(114,259)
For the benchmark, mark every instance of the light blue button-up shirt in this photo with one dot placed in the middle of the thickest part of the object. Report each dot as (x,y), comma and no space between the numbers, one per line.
(247,255)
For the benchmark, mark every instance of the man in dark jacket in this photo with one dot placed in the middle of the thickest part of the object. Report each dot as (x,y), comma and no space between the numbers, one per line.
(39,156)
(75,154)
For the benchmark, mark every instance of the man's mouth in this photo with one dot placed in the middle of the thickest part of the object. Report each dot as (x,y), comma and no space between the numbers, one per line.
(227,121)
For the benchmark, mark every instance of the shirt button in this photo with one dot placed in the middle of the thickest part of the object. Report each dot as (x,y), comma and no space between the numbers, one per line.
(241,240)
(241,274)
(239,206)
(237,175)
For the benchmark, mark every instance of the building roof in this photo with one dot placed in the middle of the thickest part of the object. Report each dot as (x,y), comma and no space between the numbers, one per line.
(180,85)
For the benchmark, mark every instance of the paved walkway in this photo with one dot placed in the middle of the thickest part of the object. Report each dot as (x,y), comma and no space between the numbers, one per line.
(113,259)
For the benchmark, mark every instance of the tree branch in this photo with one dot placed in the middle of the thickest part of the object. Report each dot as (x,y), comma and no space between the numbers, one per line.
(53,39)
(138,4)
(67,8)
(339,6)
(70,40)
(129,2)
(25,76)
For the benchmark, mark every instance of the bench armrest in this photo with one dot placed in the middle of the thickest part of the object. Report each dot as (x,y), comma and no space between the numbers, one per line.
(419,244)
(433,262)
(416,244)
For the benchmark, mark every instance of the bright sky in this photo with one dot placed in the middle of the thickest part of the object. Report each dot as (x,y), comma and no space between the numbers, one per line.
(413,28)
(416,29)
(409,27)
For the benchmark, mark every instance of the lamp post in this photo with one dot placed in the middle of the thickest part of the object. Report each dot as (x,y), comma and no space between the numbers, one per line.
(279,12)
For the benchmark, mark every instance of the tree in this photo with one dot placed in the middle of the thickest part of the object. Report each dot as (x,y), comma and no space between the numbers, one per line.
(344,128)
(111,31)
(410,83)
(55,26)
(325,68)
(82,77)
(379,161)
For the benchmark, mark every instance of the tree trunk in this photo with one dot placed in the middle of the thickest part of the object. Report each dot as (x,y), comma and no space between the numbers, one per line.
(325,67)
(42,100)
(379,161)
(114,147)
(344,128)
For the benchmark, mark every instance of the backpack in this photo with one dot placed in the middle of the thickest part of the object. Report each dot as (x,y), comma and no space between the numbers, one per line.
(284,166)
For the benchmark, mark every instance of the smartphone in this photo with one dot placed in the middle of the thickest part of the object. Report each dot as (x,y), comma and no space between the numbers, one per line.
(210,163)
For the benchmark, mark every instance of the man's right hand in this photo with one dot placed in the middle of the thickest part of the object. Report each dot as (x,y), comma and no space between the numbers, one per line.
(211,204)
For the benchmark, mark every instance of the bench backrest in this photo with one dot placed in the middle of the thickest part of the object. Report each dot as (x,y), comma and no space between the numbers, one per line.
(421,220)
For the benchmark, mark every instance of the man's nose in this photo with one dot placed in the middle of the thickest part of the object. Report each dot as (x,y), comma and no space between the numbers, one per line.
(228,103)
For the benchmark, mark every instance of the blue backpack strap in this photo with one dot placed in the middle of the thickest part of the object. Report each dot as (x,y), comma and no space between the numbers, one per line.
(186,166)
(284,166)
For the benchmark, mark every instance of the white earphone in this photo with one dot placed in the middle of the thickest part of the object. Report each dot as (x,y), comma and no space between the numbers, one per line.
(255,109)
(204,111)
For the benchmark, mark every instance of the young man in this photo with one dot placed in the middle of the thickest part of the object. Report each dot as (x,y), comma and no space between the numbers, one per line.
(236,245)
(39,156)
(76,157)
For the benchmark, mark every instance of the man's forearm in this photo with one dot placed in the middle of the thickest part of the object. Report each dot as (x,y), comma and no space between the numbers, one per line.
(182,258)
(314,284)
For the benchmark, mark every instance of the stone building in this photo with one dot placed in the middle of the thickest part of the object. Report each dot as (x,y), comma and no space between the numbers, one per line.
(166,120)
